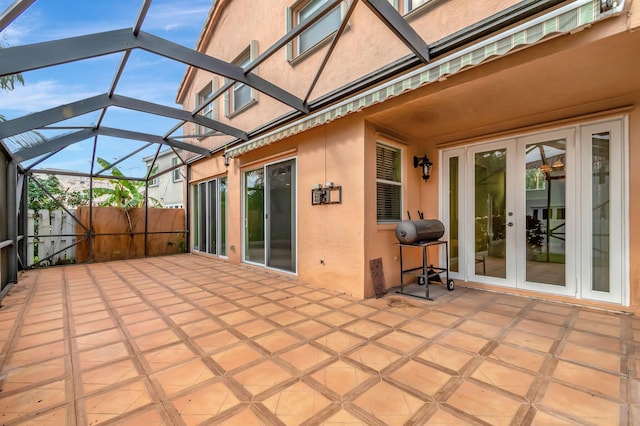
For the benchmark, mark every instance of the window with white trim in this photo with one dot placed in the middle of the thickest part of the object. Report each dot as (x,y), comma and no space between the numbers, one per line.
(176,175)
(388,183)
(406,6)
(155,181)
(240,96)
(210,110)
(299,13)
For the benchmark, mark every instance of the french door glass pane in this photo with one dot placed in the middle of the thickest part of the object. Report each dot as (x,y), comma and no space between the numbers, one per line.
(545,219)
(196,218)
(254,216)
(453,214)
(222,229)
(202,216)
(490,213)
(211,228)
(281,215)
(600,214)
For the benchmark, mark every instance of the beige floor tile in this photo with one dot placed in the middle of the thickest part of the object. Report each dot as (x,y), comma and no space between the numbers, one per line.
(480,329)
(609,344)
(505,378)
(304,357)
(262,377)
(422,328)
(421,377)
(146,327)
(388,318)
(310,329)
(389,404)
(32,401)
(155,340)
(95,357)
(166,357)
(337,318)
(375,357)
(236,356)
(115,402)
(296,404)
(487,405)
(588,378)
(463,341)
(403,342)
(343,418)
(256,327)
(237,317)
(187,316)
(440,318)
(339,341)
(277,341)
(99,338)
(366,328)
(527,340)
(215,341)
(519,357)
(38,354)
(205,402)
(183,376)
(36,373)
(449,358)
(200,327)
(54,417)
(589,356)
(545,419)
(102,377)
(149,417)
(341,377)
(581,405)
(38,339)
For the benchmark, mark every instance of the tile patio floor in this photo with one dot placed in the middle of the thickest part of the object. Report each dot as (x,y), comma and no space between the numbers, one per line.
(189,340)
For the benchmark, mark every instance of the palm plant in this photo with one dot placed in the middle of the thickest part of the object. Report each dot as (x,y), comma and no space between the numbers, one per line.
(124,193)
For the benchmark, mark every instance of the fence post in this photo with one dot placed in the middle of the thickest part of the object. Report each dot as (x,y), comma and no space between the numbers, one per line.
(45,245)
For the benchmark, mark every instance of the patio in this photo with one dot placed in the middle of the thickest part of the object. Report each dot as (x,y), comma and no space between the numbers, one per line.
(188,339)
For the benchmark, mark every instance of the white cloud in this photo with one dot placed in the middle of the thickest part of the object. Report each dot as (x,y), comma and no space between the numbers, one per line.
(176,15)
(41,95)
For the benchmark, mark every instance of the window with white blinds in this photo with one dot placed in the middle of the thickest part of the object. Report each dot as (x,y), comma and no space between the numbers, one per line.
(388,183)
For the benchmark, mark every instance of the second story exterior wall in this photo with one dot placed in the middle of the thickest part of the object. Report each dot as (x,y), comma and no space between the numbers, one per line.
(240,30)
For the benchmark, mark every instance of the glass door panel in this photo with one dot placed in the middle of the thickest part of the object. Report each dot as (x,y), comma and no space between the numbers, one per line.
(545,212)
(254,218)
(211,229)
(222,226)
(600,214)
(490,212)
(281,217)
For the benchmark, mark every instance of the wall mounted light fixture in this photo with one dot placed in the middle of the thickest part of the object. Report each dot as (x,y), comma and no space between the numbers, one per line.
(425,164)
(226,160)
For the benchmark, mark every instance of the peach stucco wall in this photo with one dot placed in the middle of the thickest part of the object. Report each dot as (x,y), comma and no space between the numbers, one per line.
(568,80)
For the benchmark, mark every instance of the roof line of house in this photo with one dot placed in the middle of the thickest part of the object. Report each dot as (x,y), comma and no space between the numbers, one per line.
(557,22)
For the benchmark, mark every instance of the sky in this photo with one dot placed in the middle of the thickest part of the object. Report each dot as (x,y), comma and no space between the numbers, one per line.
(146,76)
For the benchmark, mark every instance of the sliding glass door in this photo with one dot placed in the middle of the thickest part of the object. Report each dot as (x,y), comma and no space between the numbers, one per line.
(210,216)
(270,215)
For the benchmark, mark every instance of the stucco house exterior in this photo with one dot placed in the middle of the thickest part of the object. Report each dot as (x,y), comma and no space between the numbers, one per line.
(526,110)
(167,188)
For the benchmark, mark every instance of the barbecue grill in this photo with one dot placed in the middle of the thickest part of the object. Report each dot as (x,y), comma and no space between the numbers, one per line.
(423,234)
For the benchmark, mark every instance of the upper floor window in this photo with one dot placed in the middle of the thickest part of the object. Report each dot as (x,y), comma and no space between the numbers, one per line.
(300,13)
(241,96)
(388,183)
(154,181)
(175,173)
(406,6)
(209,110)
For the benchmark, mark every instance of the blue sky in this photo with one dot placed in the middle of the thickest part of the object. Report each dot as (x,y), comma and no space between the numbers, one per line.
(147,76)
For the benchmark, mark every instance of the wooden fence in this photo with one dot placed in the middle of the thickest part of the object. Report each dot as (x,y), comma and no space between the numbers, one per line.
(116,234)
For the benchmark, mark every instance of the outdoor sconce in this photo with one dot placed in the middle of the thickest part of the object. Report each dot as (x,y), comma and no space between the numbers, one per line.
(226,160)
(425,164)
(329,194)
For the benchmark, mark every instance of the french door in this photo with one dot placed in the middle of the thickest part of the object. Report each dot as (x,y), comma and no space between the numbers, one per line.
(534,212)
(270,215)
